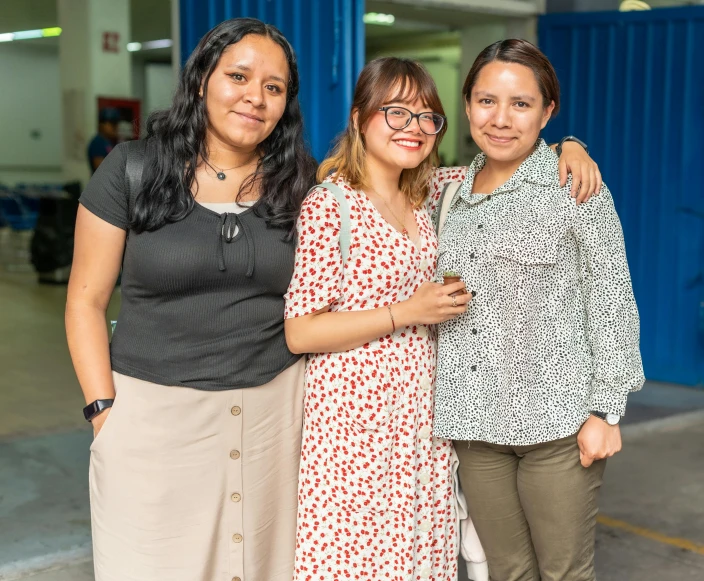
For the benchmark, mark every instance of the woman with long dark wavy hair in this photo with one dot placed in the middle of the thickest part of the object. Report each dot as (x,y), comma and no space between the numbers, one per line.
(196,403)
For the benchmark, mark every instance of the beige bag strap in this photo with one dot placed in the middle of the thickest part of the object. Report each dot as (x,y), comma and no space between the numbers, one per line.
(448,195)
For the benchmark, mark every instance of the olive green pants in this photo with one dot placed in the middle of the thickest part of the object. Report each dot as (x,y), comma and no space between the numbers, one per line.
(534,508)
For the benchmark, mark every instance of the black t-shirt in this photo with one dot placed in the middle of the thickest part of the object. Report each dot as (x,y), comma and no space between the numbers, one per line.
(198,309)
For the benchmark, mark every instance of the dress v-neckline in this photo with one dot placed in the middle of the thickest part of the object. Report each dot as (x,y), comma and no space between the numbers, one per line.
(417,246)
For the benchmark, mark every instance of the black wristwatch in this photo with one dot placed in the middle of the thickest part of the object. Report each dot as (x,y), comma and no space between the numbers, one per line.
(611,419)
(93,409)
(558,149)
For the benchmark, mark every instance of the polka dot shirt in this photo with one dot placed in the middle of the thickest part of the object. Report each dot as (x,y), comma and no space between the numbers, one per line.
(553,331)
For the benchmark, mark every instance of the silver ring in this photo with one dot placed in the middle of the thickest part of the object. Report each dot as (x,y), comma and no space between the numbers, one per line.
(454,301)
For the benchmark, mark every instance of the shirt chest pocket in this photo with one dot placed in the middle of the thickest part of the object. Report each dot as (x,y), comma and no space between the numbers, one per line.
(530,244)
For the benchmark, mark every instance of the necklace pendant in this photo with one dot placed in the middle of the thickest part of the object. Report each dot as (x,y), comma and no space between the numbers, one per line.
(221,176)
(404,232)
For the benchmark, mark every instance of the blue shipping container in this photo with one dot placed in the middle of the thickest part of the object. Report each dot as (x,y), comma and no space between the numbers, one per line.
(328,37)
(633,88)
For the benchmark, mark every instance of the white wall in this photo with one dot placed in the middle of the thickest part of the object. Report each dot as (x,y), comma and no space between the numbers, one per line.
(30,113)
(30,100)
(158,87)
(153,84)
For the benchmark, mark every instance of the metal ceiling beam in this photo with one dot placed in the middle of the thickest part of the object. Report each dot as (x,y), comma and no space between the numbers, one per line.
(515,8)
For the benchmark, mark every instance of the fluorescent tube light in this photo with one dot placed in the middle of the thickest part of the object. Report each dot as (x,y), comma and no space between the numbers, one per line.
(163,43)
(54,31)
(379,18)
(27,34)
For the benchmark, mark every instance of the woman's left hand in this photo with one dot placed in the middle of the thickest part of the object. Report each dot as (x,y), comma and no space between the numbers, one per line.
(586,178)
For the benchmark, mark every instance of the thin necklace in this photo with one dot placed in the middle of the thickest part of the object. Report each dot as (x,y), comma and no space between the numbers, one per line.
(220,173)
(404,230)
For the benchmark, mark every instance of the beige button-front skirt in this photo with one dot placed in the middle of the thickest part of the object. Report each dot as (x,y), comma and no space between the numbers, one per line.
(191,485)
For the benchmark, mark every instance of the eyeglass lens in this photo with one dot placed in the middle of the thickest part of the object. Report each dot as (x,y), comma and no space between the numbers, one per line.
(399,118)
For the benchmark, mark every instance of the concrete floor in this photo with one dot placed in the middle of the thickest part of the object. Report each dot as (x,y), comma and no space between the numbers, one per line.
(652,518)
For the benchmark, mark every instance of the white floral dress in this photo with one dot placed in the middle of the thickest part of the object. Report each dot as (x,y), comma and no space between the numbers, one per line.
(375,490)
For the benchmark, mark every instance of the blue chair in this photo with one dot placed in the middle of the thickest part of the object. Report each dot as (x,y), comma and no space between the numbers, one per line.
(14,245)
(17,212)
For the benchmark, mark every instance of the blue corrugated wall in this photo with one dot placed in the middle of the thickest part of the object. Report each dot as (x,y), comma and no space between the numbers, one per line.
(633,88)
(328,36)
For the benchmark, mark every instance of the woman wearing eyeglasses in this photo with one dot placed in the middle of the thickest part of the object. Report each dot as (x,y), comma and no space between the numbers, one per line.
(375,496)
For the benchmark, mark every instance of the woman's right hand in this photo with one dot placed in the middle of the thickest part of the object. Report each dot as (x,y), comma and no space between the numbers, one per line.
(432,303)
(98,421)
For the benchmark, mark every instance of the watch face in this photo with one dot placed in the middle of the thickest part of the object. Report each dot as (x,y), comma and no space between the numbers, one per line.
(89,410)
(612,419)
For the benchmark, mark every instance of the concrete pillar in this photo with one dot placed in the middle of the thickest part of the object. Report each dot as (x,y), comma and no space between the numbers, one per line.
(93,62)
(176,38)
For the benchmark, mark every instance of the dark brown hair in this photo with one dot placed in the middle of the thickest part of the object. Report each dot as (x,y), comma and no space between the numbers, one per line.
(524,53)
(385,80)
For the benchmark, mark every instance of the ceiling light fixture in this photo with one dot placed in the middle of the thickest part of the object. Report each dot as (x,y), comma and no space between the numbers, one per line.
(29,34)
(379,18)
(149,44)
(163,43)
(630,5)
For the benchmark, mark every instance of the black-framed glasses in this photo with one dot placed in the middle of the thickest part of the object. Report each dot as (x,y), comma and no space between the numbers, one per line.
(399,118)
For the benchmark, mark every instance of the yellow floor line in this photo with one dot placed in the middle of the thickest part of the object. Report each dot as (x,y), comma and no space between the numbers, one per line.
(685,544)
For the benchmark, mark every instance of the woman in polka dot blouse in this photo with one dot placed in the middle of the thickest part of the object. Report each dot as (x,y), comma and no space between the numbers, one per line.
(534,377)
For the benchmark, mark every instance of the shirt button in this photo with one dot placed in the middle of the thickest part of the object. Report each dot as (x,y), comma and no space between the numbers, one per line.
(488,197)
(474,294)
(235,454)
(480,226)
(425,384)
(236,497)
(424,478)
(422,331)
(472,255)
(236,410)
(474,331)
(424,432)
(423,264)
(237,538)
(425,572)
(425,526)
(473,368)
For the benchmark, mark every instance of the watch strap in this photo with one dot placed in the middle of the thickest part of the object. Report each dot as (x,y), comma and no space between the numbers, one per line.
(606,417)
(558,149)
(94,408)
